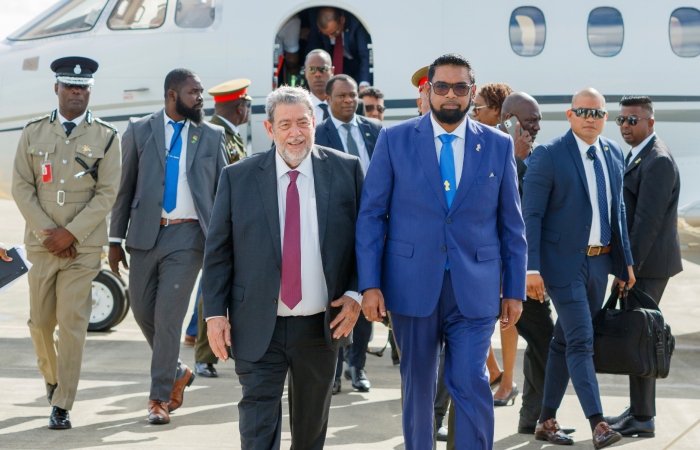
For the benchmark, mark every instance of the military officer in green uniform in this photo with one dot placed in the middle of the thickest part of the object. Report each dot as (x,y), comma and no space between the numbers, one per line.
(65,180)
(231,110)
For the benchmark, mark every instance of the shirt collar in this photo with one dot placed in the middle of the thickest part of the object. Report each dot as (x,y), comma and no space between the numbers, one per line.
(460,131)
(583,146)
(339,123)
(232,126)
(77,121)
(643,144)
(305,168)
(167,119)
(315,100)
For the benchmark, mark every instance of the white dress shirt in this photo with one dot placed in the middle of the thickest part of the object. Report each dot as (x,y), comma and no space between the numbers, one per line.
(594,237)
(635,150)
(457,144)
(318,112)
(77,121)
(184,208)
(356,135)
(232,126)
(314,291)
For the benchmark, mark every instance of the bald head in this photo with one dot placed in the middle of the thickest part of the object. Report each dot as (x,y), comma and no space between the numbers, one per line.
(318,54)
(587,93)
(525,109)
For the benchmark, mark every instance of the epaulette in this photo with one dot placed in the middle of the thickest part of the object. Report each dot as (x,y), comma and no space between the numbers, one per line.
(38,119)
(106,124)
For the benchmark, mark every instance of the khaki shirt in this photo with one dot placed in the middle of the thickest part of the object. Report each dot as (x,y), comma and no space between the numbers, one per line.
(80,204)
(234,142)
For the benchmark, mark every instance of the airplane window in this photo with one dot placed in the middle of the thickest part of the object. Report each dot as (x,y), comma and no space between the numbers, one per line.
(684,32)
(194,13)
(67,16)
(527,31)
(606,32)
(137,14)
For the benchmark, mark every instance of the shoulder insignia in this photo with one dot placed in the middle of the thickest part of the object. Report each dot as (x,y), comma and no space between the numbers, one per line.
(106,124)
(38,119)
(88,117)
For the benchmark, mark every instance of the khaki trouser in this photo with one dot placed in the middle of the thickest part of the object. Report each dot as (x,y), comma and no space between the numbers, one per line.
(60,292)
(203,352)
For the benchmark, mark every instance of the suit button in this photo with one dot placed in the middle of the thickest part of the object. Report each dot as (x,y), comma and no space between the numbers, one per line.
(588,227)
(449,220)
(443,248)
(274,300)
(583,250)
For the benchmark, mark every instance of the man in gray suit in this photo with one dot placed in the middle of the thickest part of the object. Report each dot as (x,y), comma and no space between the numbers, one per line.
(280,277)
(172,161)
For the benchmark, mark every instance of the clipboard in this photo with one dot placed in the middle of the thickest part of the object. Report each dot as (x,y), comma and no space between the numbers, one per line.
(10,271)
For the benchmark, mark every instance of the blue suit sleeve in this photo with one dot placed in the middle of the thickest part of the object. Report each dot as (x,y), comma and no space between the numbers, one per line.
(537,187)
(511,231)
(373,216)
(363,41)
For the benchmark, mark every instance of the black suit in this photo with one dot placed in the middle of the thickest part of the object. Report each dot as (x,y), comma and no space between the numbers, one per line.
(327,135)
(241,280)
(651,189)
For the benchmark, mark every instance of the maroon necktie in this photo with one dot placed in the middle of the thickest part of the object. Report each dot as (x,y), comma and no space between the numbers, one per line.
(291,250)
(338,54)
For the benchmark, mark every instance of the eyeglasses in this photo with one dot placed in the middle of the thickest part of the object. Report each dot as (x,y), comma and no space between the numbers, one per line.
(460,89)
(477,108)
(370,108)
(632,120)
(313,69)
(586,113)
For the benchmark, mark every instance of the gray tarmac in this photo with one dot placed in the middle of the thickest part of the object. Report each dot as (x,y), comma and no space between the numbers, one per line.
(110,409)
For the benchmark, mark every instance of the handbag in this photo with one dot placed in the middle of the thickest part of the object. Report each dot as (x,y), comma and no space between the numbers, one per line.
(632,340)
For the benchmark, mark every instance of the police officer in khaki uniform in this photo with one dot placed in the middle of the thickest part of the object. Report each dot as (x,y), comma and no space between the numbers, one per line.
(66,175)
(232,109)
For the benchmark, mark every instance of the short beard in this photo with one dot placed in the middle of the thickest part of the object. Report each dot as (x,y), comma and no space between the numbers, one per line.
(194,115)
(291,159)
(451,116)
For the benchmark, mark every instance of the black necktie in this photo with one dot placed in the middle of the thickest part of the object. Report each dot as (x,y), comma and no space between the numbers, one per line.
(627,159)
(69,127)
(324,107)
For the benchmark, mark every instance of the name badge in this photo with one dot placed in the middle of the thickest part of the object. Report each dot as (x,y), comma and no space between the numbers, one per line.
(46,172)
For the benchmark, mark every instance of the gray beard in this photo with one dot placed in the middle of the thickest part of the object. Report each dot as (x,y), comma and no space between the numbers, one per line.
(291,159)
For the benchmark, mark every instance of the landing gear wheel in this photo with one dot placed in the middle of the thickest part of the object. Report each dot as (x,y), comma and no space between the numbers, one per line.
(110,302)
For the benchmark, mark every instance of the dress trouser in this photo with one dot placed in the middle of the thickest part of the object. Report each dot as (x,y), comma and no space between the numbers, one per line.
(161,281)
(60,293)
(537,328)
(571,349)
(643,390)
(298,347)
(467,343)
(356,353)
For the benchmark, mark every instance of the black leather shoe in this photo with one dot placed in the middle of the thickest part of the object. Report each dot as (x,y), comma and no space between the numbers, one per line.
(205,370)
(611,420)
(60,419)
(359,379)
(629,426)
(336,385)
(50,389)
(525,427)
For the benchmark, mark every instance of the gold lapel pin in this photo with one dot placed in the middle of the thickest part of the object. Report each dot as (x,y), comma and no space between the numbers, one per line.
(637,161)
(478,147)
(194,139)
(366,134)
(606,148)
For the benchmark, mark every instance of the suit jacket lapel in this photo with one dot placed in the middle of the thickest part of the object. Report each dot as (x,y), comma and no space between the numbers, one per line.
(323,172)
(576,156)
(472,161)
(424,143)
(267,184)
(193,137)
(367,135)
(158,130)
(333,136)
(643,153)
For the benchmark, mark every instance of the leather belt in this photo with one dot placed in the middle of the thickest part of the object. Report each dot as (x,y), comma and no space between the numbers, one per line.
(598,250)
(168,222)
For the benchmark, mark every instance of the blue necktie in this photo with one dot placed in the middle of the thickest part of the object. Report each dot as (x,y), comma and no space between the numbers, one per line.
(447,171)
(172,168)
(605,231)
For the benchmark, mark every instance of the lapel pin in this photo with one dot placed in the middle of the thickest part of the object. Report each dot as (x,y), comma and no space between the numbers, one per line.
(606,148)
(367,134)
(637,161)
(478,147)
(492,175)
(194,139)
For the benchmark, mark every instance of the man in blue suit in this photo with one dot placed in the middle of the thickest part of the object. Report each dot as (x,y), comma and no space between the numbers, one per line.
(343,36)
(439,234)
(576,235)
(347,132)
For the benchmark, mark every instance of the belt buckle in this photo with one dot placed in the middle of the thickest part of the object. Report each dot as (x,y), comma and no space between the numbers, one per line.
(61,198)
(600,250)
(167,222)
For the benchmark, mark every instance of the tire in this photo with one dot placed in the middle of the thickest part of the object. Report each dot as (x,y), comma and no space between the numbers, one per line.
(109,302)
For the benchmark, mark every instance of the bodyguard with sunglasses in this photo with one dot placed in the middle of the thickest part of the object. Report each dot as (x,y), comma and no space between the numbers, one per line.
(439,231)
(651,189)
(577,235)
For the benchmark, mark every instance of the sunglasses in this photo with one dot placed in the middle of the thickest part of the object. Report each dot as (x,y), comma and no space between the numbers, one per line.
(460,89)
(370,108)
(632,120)
(477,108)
(586,113)
(313,69)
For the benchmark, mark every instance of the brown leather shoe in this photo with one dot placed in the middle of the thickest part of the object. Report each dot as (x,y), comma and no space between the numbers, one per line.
(178,393)
(604,436)
(158,412)
(549,431)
